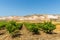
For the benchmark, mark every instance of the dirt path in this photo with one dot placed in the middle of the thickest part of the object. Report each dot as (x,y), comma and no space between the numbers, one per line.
(25,33)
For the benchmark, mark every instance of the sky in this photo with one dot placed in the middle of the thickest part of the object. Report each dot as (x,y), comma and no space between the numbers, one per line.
(29,7)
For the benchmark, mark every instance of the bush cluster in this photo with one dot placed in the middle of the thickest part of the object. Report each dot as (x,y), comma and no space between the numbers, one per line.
(12,26)
(2,24)
(32,27)
(47,27)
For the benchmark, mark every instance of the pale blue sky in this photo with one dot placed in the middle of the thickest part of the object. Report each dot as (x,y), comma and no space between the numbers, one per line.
(26,7)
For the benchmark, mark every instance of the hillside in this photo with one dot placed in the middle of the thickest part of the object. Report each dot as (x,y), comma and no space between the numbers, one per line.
(32,17)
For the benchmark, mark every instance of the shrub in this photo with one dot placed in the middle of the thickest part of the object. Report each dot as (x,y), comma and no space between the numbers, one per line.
(12,27)
(19,25)
(32,27)
(40,25)
(13,22)
(48,27)
(2,24)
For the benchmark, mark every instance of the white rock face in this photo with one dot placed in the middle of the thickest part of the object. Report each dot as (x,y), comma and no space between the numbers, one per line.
(9,18)
(2,18)
(41,18)
(52,17)
(34,17)
(21,18)
(31,18)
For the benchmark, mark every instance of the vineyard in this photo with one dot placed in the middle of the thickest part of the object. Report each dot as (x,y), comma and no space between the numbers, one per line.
(14,29)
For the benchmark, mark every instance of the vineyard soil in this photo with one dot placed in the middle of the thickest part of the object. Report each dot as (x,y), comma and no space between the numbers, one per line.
(26,35)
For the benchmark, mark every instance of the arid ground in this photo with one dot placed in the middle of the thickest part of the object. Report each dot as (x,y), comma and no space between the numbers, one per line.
(26,35)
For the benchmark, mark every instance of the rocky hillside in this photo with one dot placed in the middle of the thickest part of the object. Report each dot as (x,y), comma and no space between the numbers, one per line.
(32,17)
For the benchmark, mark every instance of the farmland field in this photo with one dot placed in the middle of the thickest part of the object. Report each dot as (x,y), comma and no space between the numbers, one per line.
(25,34)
